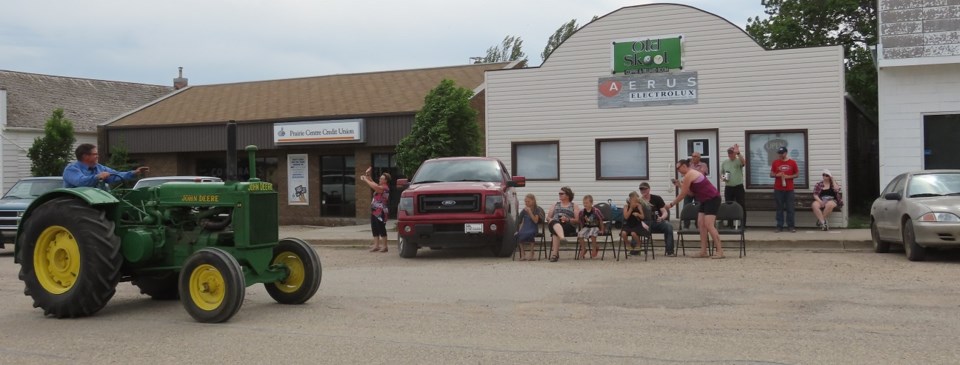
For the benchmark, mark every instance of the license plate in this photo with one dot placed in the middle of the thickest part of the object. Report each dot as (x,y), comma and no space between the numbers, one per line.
(473,228)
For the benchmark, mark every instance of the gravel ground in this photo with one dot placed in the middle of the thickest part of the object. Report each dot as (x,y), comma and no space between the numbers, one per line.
(463,307)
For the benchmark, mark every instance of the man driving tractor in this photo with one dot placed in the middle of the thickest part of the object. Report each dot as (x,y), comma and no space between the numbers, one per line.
(86,171)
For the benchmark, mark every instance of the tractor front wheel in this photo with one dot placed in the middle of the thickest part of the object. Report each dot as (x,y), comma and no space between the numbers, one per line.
(303,268)
(212,285)
(71,258)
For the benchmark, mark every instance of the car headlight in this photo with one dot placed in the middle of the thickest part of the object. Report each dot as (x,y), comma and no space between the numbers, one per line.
(406,205)
(19,214)
(940,217)
(492,203)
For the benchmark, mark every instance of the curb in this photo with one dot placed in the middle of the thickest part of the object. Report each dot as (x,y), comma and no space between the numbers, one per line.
(755,245)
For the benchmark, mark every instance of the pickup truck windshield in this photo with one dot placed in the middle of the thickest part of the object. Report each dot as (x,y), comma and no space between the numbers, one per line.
(32,189)
(458,170)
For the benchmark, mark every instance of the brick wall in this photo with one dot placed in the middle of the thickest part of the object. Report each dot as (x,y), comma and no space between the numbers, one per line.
(161,164)
(919,28)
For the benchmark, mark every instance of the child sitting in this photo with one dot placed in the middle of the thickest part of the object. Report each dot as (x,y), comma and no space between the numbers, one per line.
(591,224)
(530,217)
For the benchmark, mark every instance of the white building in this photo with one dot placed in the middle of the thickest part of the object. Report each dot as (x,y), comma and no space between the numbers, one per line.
(27,100)
(919,86)
(600,117)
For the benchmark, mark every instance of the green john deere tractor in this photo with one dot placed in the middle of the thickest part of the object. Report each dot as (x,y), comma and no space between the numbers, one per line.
(204,243)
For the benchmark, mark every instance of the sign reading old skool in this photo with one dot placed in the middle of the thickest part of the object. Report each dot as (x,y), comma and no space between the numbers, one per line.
(674,88)
(647,54)
(331,131)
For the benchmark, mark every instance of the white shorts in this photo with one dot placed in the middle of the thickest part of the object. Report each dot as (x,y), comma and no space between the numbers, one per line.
(587,232)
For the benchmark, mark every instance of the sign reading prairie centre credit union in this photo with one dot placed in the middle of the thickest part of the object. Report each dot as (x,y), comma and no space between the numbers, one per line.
(674,88)
(330,131)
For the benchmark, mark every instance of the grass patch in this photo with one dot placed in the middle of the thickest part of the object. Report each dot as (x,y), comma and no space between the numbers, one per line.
(858,221)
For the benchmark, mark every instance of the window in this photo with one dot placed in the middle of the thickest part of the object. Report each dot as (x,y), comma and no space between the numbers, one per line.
(622,159)
(536,160)
(338,185)
(939,137)
(762,152)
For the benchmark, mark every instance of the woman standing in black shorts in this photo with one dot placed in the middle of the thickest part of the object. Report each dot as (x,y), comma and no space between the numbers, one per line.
(379,211)
(709,198)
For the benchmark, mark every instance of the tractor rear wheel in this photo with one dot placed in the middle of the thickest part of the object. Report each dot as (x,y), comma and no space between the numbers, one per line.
(71,258)
(212,285)
(158,287)
(305,272)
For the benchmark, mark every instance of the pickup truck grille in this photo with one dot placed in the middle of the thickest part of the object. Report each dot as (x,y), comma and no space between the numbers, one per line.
(459,203)
(8,219)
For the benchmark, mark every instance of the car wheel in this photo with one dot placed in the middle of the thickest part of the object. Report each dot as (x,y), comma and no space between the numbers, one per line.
(914,251)
(407,249)
(879,246)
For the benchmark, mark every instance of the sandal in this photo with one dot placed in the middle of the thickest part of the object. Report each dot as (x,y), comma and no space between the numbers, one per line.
(374,249)
(384,249)
(717,257)
(702,256)
(554,258)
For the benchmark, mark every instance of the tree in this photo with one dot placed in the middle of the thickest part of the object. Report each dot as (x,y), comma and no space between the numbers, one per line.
(446,126)
(511,49)
(805,23)
(51,153)
(565,31)
(120,158)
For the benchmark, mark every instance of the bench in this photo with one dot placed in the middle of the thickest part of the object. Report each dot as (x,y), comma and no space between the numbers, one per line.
(764,201)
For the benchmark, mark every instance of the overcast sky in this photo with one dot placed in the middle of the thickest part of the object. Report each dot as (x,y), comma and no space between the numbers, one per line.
(220,41)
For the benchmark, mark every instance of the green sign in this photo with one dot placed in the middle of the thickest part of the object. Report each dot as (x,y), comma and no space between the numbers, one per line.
(644,55)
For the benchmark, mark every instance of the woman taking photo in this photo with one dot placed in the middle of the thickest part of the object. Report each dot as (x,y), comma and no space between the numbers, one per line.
(708,197)
(562,216)
(378,209)
(827,197)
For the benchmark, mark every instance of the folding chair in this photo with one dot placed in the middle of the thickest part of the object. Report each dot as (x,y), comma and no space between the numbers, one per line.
(688,224)
(731,213)
(608,223)
(646,240)
(539,237)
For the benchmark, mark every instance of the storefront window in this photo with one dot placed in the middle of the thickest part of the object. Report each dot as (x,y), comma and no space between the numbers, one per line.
(266,168)
(536,160)
(338,184)
(762,151)
(624,159)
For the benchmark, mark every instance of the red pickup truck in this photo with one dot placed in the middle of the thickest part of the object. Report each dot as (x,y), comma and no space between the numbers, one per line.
(459,202)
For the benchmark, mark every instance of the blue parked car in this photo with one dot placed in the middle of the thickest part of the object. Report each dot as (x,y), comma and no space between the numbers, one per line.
(18,198)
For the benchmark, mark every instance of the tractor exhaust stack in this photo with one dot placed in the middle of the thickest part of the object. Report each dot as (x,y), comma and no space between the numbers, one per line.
(231,170)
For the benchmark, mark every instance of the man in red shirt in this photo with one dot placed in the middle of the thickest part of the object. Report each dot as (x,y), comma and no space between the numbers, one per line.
(784,170)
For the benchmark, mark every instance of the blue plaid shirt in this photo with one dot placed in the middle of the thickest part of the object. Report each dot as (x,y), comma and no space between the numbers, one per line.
(76,174)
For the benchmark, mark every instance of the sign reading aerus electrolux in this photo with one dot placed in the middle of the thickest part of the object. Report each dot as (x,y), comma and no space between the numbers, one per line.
(673,88)
(647,54)
(328,131)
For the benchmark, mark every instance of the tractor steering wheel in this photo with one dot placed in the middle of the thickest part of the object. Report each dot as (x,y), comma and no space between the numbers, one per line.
(102,183)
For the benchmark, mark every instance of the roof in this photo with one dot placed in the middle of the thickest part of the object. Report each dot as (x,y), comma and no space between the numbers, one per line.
(32,98)
(320,97)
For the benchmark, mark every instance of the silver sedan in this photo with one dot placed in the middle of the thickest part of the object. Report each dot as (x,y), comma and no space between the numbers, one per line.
(918,210)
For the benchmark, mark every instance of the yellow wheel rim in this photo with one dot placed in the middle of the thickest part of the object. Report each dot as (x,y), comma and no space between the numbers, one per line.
(207,287)
(56,259)
(297,273)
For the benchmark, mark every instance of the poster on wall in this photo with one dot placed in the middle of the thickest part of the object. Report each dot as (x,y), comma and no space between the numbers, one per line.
(762,151)
(297,186)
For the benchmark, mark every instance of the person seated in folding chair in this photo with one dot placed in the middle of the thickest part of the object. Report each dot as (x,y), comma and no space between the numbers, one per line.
(660,222)
(562,215)
(591,224)
(530,218)
(709,198)
(633,225)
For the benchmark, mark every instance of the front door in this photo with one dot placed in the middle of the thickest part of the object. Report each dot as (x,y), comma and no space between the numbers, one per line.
(704,142)
(939,139)
(338,186)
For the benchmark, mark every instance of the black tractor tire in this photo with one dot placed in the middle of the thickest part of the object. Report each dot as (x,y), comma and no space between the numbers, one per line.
(212,285)
(80,268)
(158,287)
(408,250)
(879,246)
(914,251)
(305,271)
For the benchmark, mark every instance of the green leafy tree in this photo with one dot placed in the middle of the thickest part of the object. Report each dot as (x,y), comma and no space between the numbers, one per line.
(51,153)
(445,127)
(805,23)
(511,49)
(120,158)
(565,31)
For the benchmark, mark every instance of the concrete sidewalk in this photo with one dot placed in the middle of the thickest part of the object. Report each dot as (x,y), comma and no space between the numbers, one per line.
(757,238)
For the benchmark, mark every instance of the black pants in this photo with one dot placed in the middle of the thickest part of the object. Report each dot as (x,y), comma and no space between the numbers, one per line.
(737,194)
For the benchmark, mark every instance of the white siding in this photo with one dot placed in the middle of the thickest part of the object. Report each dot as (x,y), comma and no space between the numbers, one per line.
(16,142)
(741,87)
(906,95)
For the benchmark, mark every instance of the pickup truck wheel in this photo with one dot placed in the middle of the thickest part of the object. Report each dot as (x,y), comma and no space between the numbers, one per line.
(507,244)
(407,249)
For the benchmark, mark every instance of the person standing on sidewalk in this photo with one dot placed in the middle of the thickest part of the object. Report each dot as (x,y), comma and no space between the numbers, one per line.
(784,170)
(379,211)
(732,175)
(696,183)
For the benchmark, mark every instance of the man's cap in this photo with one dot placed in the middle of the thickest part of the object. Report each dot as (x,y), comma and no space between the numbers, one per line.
(730,150)
(782,150)
(644,185)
